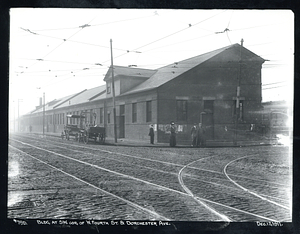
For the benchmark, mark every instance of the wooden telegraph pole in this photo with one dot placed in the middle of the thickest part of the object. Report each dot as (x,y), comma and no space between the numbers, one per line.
(238,92)
(113,91)
(44,114)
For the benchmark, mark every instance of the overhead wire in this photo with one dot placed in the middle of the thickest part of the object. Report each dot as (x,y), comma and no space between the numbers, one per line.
(228,28)
(170,34)
(155,40)
(96,25)
(178,31)
(83,26)
(275,87)
(274,83)
(60,43)
(84,43)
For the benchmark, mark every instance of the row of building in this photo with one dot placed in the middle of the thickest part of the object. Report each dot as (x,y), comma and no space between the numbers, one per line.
(221,89)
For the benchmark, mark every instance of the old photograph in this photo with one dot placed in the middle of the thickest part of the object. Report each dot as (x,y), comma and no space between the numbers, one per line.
(149,116)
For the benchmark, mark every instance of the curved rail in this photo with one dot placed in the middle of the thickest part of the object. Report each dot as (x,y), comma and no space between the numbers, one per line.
(247,190)
(187,192)
(222,216)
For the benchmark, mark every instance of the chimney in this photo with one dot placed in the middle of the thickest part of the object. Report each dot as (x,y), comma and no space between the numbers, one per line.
(242,42)
(41,101)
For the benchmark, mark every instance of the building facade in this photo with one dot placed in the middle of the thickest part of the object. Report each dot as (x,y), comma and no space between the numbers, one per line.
(220,89)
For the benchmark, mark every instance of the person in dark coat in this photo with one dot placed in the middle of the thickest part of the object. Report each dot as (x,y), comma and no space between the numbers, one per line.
(201,141)
(194,132)
(151,134)
(173,135)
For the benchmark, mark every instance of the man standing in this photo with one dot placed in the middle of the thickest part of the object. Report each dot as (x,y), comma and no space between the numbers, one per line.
(151,134)
(194,135)
(173,135)
(201,136)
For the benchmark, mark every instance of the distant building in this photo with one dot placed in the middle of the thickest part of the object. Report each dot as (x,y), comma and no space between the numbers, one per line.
(277,116)
(199,89)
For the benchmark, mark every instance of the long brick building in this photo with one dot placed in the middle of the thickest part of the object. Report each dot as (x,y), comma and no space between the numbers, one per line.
(199,89)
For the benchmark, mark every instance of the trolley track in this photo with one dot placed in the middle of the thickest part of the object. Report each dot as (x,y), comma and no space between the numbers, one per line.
(127,187)
(172,169)
(239,197)
(149,213)
(154,165)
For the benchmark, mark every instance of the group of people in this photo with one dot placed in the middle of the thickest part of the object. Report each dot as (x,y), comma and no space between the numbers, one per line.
(197,133)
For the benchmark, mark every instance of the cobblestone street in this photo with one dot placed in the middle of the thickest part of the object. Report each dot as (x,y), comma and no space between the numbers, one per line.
(51,178)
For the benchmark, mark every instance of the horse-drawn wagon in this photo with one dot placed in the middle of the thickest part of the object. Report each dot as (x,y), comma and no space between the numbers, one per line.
(82,131)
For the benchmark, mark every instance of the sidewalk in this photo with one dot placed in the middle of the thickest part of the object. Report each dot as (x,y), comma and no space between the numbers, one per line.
(146,143)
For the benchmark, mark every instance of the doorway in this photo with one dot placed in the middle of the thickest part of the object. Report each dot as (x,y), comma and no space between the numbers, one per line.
(122,122)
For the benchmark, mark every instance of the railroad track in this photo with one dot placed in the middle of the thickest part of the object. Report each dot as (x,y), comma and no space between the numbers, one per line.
(167,179)
(219,190)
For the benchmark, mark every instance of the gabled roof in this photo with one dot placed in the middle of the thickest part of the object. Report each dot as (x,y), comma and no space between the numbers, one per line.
(77,98)
(169,72)
(85,96)
(130,72)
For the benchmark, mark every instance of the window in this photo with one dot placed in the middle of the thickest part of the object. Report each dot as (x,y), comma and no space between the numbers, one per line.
(91,116)
(122,110)
(73,120)
(208,106)
(148,111)
(134,113)
(77,120)
(101,115)
(108,87)
(181,110)
(238,111)
(108,117)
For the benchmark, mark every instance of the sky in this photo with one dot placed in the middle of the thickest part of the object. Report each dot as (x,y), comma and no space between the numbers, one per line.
(64,51)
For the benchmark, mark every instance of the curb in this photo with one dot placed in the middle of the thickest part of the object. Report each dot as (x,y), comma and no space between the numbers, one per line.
(166,145)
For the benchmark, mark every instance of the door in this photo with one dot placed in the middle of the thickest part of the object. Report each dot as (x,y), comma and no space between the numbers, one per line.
(122,122)
(207,118)
(122,127)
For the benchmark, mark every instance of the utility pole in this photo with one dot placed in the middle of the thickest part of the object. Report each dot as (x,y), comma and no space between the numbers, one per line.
(14,116)
(238,91)
(19,100)
(43,114)
(113,91)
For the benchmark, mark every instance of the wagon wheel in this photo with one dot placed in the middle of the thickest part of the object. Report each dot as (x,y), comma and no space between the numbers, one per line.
(85,137)
(101,138)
